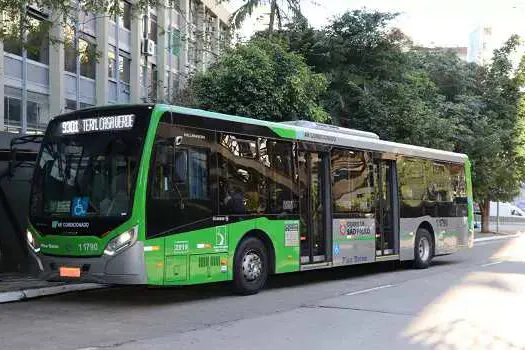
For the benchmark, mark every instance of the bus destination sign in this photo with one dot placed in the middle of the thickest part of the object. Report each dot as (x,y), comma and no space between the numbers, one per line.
(105,123)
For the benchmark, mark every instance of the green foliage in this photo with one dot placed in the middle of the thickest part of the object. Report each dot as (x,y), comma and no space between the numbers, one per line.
(263,80)
(377,82)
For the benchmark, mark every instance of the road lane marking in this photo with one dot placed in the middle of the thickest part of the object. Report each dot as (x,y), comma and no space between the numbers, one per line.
(370,289)
(491,263)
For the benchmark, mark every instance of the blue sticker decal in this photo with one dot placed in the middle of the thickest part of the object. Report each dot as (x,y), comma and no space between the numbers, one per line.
(79,206)
(337,251)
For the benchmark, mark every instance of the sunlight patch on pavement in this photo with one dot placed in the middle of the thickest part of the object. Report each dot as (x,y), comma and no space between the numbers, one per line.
(513,250)
(484,310)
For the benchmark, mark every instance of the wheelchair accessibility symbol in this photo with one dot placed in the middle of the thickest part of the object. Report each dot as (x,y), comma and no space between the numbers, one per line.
(80,206)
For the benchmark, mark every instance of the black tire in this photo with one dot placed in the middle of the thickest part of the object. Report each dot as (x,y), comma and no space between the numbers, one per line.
(250,267)
(423,251)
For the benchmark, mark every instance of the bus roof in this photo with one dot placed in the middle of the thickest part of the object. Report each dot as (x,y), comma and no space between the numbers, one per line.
(316,132)
(303,130)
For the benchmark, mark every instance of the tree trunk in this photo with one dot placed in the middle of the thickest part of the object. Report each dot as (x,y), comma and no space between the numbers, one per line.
(273,9)
(484,207)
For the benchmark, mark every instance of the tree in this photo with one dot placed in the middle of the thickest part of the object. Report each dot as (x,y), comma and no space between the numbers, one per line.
(262,80)
(377,82)
(496,119)
(374,84)
(277,12)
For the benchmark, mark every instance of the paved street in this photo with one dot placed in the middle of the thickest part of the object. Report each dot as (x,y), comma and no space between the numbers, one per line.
(471,300)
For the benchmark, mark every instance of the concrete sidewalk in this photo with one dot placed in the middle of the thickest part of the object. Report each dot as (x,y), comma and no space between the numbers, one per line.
(504,233)
(17,287)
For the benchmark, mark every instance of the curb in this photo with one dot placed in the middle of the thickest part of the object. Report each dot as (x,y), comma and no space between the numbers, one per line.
(31,293)
(495,238)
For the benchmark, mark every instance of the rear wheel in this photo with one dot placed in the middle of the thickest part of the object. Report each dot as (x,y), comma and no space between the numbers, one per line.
(250,269)
(423,249)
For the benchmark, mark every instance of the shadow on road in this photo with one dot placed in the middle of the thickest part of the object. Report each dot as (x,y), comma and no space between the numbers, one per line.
(126,296)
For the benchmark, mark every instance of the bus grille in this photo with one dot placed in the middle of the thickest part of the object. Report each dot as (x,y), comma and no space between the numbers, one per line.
(205,261)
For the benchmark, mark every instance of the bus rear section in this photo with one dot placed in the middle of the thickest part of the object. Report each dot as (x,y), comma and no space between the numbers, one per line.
(84,218)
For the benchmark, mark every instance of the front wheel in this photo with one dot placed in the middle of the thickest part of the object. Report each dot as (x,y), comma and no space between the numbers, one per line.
(250,269)
(423,249)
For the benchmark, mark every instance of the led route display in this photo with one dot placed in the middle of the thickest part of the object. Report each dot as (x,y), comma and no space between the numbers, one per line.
(106,123)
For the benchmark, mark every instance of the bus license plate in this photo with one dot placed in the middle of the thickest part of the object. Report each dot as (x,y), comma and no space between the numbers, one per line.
(70,272)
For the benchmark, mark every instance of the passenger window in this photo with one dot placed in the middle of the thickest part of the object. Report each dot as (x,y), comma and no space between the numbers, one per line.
(352,189)
(243,186)
(180,184)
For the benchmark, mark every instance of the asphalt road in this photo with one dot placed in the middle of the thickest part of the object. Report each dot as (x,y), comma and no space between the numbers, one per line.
(471,300)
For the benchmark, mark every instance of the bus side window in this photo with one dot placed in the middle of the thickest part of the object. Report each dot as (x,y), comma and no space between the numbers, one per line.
(180,187)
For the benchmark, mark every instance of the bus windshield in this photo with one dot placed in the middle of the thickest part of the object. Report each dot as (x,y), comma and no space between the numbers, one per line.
(87,169)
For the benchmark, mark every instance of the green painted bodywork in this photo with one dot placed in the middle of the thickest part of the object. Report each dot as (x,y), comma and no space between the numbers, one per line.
(198,256)
(207,255)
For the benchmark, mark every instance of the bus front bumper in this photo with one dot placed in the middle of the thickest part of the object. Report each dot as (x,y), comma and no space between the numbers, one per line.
(126,267)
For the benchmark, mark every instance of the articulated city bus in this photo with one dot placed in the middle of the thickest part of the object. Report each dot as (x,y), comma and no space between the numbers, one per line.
(165,195)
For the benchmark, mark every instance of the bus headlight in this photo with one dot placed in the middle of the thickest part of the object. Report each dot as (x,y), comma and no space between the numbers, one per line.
(121,241)
(32,241)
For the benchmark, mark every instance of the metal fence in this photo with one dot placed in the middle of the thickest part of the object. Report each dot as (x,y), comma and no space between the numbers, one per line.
(503,220)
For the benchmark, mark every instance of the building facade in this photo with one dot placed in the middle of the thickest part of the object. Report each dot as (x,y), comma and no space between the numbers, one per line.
(481,45)
(98,60)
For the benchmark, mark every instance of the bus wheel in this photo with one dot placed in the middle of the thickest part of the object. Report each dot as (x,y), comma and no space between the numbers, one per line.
(250,269)
(423,249)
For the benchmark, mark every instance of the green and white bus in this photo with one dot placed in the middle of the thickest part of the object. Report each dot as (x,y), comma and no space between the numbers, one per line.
(166,195)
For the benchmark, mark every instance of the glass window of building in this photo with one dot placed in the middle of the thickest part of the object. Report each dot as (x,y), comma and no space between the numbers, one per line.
(36,36)
(88,58)
(152,35)
(124,64)
(125,14)
(33,115)
(71,105)
(152,83)
(112,63)
(174,41)
(70,51)
(37,42)
(12,39)
(12,113)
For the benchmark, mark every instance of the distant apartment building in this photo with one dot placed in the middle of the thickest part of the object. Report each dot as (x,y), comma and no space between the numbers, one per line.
(481,45)
(487,38)
(460,51)
(97,60)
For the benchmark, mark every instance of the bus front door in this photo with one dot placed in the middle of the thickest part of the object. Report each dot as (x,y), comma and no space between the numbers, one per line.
(314,195)
(386,208)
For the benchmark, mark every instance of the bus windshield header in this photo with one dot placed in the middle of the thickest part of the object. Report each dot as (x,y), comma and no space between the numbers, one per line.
(105,123)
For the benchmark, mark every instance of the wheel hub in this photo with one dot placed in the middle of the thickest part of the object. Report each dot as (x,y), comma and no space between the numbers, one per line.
(251,266)
(424,249)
